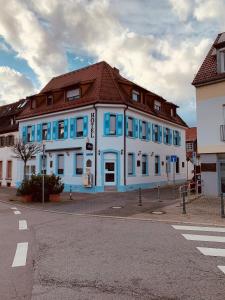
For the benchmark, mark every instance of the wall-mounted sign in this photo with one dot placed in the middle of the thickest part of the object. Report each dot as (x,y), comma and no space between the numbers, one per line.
(89,146)
(92,121)
(173,158)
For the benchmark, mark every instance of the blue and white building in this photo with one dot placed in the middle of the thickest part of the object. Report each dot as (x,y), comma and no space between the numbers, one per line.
(102,131)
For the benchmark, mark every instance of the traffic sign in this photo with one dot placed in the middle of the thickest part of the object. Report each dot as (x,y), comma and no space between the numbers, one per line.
(173,158)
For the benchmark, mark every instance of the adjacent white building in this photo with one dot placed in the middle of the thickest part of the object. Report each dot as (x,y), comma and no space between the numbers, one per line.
(210,102)
(102,131)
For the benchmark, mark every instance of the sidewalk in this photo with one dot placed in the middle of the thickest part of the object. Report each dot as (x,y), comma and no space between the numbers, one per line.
(200,211)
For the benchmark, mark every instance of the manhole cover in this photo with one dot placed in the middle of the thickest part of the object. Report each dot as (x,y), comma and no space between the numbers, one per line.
(158,212)
(117,207)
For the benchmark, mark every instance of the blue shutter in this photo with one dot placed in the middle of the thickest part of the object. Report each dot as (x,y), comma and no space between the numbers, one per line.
(160,134)
(164,135)
(24,134)
(49,131)
(140,129)
(170,136)
(174,135)
(119,124)
(148,131)
(72,128)
(39,137)
(33,133)
(179,138)
(106,123)
(135,128)
(55,130)
(126,125)
(85,126)
(66,129)
(153,132)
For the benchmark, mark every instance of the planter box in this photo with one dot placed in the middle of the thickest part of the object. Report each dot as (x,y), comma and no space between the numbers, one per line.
(54,197)
(26,198)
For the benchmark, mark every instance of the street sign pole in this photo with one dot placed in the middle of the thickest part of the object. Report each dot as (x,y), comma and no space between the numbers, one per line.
(43,174)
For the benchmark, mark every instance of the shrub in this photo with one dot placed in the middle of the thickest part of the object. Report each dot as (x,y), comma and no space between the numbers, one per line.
(33,186)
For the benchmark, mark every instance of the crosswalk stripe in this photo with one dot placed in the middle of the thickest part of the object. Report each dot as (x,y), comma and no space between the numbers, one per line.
(22,225)
(17,212)
(222,268)
(204,238)
(20,255)
(212,251)
(199,228)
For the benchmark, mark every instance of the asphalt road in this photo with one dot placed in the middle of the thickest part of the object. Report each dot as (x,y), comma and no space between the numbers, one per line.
(75,257)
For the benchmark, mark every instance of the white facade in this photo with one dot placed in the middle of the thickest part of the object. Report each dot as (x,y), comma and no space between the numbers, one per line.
(8,161)
(108,161)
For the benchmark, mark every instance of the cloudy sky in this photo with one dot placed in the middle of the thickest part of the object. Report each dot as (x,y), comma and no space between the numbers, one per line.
(158,44)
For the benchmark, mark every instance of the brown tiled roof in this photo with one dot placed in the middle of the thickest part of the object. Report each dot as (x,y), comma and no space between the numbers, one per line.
(9,111)
(191,134)
(105,85)
(208,70)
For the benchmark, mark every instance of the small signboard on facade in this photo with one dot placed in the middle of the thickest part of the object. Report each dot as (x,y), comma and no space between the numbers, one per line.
(173,158)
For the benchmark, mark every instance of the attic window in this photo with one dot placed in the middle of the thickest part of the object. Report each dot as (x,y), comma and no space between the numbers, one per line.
(49,100)
(33,104)
(135,96)
(73,94)
(172,112)
(222,60)
(157,105)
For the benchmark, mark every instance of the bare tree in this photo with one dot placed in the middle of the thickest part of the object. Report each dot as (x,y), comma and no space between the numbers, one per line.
(25,152)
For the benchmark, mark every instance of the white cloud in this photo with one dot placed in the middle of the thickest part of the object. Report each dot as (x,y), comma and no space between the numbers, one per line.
(14,86)
(209,10)
(182,8)
(4,47)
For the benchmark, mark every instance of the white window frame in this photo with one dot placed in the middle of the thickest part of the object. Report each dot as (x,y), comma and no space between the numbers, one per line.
(136,95)
(157,105)
(112,131)
(73,94)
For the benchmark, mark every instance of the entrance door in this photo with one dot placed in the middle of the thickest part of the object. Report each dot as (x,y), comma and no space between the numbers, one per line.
(222,177)
(110,172)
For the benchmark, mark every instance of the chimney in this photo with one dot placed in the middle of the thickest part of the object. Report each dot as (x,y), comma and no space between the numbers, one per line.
(117,71)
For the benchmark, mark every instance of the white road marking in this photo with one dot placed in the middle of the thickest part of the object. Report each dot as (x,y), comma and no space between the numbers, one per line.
(17,212)
(222,268)
(22,225)
(199,228)
(20,255)
(212,251)
(204,238)
(13,207)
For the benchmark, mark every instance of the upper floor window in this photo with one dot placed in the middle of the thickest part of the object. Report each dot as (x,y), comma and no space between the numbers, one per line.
(135,95)
(157,105)
(49,100)
(29,133)
(130,127)
(112,125)
(144,130)
(79,127)
(60,164)
(189,147)
(176,138)
(44,131)
(73,94)
(221,63)
(157,165)
(156,133)
(61,129)
(167,137)
(2,141)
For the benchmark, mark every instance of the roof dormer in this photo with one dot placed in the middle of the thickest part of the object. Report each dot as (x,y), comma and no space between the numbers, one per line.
(221,60)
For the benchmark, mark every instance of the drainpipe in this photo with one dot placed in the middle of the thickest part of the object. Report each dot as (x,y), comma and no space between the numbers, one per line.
(125,149)
(95,145)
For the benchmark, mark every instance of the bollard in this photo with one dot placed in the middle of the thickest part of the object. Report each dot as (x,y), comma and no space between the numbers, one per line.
(222,206)
(158,192)
(184,204)
(140,199)
(71,193)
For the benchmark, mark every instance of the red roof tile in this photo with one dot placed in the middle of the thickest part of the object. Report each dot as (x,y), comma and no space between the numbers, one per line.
(208,70)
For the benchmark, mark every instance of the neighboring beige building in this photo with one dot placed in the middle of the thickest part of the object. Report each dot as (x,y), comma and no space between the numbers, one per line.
(210,103)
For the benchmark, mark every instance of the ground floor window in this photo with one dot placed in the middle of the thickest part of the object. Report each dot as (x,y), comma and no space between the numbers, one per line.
(157,165)
(60,164)
(144,164)
(131,164)
(30,170)
(168,164)
(9,170)
(79,159)
(178,165)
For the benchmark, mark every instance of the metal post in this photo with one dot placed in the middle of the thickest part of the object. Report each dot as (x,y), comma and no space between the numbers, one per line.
(158,194)
(184,204)
(140,198)
(71,193)
(222,206)
(43,175)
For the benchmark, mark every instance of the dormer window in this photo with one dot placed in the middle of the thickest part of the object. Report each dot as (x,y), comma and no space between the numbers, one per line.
(222,60)
(33,103)
(157,105)
(136,96)
(49,100)
(73,94)
(172,112)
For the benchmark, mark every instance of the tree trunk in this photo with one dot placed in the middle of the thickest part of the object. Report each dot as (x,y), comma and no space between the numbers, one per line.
(24,170)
